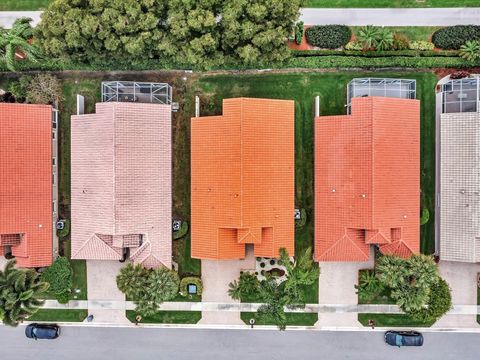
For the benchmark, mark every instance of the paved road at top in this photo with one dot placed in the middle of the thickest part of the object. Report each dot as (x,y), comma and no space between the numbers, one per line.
(354,17)
(392,16)
(94,343)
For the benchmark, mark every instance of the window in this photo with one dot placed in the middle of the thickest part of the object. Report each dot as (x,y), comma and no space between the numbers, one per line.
(53,179)
(54,161)
(53,135)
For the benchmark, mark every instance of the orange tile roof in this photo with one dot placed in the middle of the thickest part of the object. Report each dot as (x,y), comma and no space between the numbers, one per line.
(367,180)
(26,183)
(243,179)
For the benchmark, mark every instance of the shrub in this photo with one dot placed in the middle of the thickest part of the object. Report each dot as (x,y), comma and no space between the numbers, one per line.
(453,37)
(190,280)
(329,36)
(421,45)
(400,42)
(425,216)
(63,298)
(439,302)
(470,51)
(182,232)
(65,231)
(303,219)
(354,45)
(299,30)
(19,88)
(44,89)
(459,74)
(60,277)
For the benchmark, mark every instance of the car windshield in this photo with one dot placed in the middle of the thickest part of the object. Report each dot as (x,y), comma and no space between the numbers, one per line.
(398,340)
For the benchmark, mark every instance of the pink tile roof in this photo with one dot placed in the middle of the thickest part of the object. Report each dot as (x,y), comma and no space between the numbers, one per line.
(26,220)
(367,180)
(121,183)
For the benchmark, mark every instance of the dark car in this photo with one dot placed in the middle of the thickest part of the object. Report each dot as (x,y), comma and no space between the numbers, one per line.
(42,331)
(403,338)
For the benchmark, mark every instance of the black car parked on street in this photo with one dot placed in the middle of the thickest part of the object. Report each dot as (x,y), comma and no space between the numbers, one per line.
(403,338)
(42,331)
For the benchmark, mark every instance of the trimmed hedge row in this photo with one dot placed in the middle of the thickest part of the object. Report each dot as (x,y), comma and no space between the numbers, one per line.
(326,61)
(377,54)
(329,36)
(452,37)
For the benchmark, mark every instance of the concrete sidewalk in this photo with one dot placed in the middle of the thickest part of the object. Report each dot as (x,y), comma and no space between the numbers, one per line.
(247,307)
(392,16)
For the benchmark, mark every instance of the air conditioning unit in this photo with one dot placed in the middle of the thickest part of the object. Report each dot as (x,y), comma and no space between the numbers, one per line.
(175,106)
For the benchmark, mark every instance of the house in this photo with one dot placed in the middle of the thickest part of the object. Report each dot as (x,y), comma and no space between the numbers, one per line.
(121,183)
(367,174)
(28,183)
(242,180)
(458,177)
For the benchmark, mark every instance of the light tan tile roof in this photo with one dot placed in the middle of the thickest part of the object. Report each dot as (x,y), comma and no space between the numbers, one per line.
(460,187)
(243,179)
(121,182)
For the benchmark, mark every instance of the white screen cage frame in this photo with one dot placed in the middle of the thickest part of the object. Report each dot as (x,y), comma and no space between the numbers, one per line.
(134,91)
(384,87)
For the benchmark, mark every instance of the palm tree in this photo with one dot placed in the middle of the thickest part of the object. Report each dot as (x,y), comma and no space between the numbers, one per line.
(163,285)
(368,286)
(367,36)
(302,271)
(20,293)
(274,301)
(17,39)
(384,40)
(470,51)
(423,271)
(246,286)
(132,280)
(392,271)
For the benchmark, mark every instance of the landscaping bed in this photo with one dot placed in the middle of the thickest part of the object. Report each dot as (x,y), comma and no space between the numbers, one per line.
(168,317)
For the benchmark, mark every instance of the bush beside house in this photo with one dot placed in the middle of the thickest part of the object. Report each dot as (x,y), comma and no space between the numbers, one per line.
(328,36)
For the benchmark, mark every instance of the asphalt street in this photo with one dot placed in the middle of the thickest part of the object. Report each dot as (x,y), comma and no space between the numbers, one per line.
(92,343)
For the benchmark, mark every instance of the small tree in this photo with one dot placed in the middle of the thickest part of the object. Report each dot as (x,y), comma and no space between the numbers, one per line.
(60,277)
(470,51)
(246,286)
(369,285)
(439,302)
(384,40)
(44,89)
(20,293)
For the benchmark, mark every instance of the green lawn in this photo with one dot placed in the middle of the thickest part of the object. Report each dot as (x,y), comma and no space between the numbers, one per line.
(168,317)
(391,320)
(79,275)
(414,33)
(16,5)
(63,315)
(293,319)
(332,90)
(390,3)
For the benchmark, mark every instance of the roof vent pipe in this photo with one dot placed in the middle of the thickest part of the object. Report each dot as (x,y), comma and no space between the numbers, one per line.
(197,106)
(317,106)
(80,105)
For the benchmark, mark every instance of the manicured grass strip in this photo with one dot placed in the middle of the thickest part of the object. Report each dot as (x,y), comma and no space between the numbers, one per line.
(61,315)
(15,5)
(390,3)
(293,319)
(79,275)
(168,317)
(393,320)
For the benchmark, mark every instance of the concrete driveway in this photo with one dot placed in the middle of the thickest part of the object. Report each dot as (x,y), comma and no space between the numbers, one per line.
(102,285)
(462,278)
(216,275)
(337,286)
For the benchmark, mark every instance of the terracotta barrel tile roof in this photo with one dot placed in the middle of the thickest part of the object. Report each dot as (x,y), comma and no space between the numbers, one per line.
(26,183)
(243,179)
(367,180)
(121,183)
